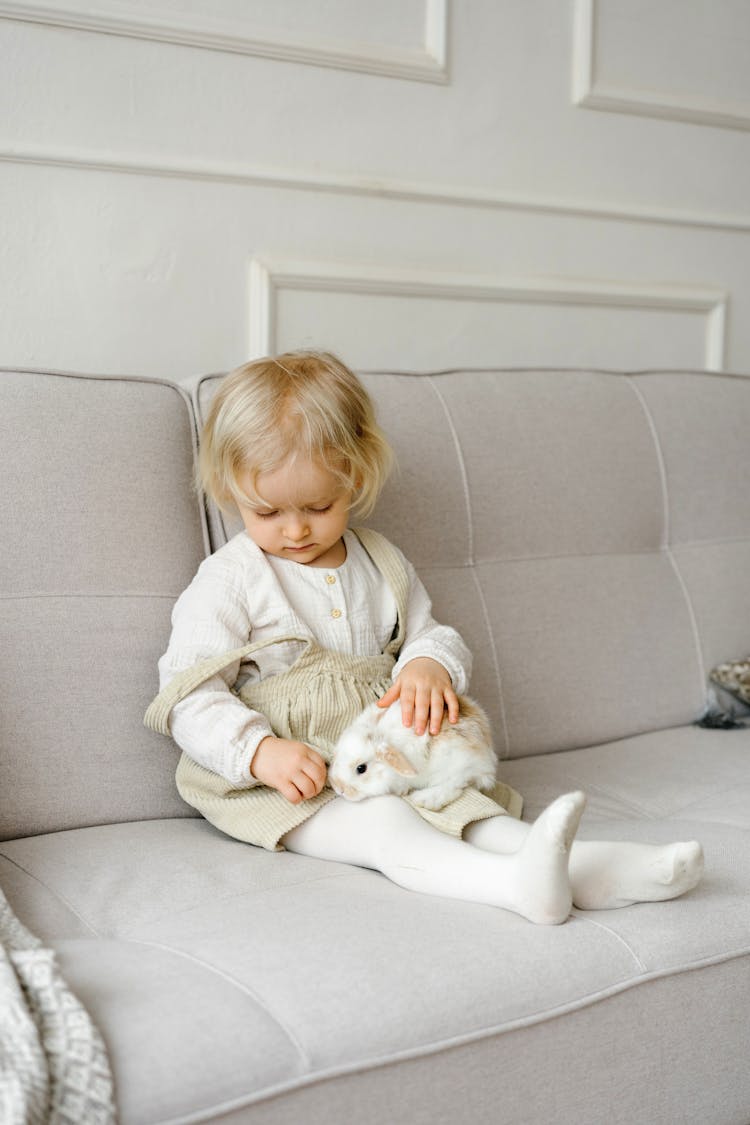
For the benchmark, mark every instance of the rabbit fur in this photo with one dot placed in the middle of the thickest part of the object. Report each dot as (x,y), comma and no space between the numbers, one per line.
(377,754)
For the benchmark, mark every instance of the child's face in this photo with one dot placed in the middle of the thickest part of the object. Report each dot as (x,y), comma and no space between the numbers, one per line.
(305,513)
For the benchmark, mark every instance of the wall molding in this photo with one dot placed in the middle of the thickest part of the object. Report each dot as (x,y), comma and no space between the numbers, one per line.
(216,171)
(592,92)
(267,279)
(427,64)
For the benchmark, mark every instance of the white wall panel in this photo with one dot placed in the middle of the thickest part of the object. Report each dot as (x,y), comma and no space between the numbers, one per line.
(686,60)
(406,39)
(141,174)
(458,319)
(505,126)
(385,332)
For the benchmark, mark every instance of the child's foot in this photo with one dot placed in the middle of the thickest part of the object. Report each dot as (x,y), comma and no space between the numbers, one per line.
(614,874)
(543,893)
(674,869)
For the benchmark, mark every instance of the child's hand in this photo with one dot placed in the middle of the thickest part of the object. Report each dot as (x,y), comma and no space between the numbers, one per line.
(296,770)
(424,688)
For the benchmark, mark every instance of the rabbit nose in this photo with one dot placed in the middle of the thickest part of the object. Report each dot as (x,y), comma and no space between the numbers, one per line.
(344,790)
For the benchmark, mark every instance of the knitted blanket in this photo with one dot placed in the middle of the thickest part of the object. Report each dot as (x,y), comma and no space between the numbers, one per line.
(53,1064)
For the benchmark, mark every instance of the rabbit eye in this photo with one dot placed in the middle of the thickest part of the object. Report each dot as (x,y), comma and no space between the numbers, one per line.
(362,767)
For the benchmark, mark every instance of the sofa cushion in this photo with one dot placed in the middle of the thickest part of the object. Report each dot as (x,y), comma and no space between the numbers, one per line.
(700,424)
(101,532)
(290,972)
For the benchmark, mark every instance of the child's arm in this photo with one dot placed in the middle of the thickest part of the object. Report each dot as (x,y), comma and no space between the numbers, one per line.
(211,724)
(433,667)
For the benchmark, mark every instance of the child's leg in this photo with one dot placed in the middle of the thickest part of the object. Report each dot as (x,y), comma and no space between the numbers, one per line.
(606,874)
(386,834)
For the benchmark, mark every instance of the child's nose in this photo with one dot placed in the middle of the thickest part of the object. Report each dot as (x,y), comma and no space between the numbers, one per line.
(296,526)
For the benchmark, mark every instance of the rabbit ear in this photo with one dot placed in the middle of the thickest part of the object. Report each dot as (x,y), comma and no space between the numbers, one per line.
(396,760)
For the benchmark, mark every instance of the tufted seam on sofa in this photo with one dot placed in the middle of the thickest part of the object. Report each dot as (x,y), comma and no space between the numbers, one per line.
(116,933)
(471,563)
(70,595)
(495,662)
(627,804)
(585,917)
(243,988)
(666,543)
(710,795)
(462,470)
(55,894)
(642,553)
(120,933)
(715,541)
(659,460)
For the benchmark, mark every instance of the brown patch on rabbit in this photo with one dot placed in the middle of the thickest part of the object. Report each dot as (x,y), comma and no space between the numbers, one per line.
(475,727)
(396,760)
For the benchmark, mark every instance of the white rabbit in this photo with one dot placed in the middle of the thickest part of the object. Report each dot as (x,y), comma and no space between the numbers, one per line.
(377,754)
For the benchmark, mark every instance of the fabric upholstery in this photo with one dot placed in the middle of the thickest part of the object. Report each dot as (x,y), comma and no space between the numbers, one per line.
(101,532)
(172,917)
(592,545)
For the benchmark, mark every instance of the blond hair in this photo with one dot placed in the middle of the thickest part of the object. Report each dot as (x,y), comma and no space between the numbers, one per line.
(300,403)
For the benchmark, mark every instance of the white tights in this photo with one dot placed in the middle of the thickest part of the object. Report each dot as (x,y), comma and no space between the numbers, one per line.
(534,870)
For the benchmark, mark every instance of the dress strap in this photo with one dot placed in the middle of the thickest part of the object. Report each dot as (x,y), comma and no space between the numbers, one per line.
(385,558)
(390,565)
(157,715)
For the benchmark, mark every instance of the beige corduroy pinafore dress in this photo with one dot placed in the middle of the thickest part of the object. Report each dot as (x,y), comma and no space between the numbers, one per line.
(311,702)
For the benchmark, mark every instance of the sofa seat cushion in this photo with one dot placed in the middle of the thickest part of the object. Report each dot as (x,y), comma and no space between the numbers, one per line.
(691,775)
(245,975)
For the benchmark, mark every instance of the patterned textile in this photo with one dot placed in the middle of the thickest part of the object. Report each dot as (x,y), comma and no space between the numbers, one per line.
(734,677)
(53,1064)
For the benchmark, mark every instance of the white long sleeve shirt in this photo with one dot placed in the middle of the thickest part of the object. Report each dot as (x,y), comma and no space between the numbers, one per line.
(240,594)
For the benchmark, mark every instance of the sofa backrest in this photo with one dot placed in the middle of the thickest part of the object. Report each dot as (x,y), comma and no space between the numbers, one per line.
(587,532)
(100,533)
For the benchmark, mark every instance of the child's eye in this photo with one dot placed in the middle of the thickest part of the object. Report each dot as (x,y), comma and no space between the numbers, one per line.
(266,515)
(318,511)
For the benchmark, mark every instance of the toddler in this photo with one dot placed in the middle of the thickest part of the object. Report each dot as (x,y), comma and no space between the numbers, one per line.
(292,627)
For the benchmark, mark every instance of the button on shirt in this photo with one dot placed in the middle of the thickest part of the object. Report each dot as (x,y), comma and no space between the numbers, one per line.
(242,594)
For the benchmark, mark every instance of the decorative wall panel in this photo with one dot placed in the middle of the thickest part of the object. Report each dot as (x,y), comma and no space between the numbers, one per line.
(686,61)
(406,40)
(373,317)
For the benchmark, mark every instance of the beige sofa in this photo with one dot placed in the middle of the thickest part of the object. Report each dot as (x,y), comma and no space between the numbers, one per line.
(589,534)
